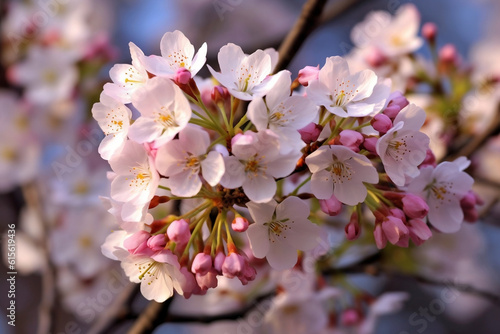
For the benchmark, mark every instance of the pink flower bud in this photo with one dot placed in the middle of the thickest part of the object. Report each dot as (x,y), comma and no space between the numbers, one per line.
(219,261)
(189,284)
(351,139)
(352,230)
(448,54)
(419,231)
(370,144)
(310,132)
(202,263)
(380,239)
(375,57)
(307,74)
(429,31)
(331,206)
(207,280)
(248,273)
(381,123)
(414,206)
(468,204)
(394,229)
(219,94)
(398,99)
(157,242)
(396,102)
(398,213)
(350,317)
(182,76)
(178,231)
(137,243)
(430,159)
(468,201)
(233,265)
(239,224)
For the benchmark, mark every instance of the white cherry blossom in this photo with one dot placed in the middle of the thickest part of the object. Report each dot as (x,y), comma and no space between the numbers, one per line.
(393,36)
(113,118)
(339,171)
(164,112)
(245,76)
(183,159)
(127,79)
(159,274)
(48,74)
(279,230)
(443,187)
(345,94)
(282,113)
(176,52)
(403,148)
(255,163)
(136,178)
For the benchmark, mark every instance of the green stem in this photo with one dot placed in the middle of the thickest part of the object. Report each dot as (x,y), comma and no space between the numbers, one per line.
(198,227)
(296,190)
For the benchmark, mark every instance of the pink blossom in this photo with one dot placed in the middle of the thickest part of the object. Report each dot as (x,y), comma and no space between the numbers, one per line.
(157,242)
(137,243)
(429,31)
(331,206)
(207,280)
(394,229)
(202,263)
(178,231)
(380,238)
(381,123)
(182,76)
(352,229)
(308,74)
(414,206)
(370,144)
(310,132)
(233,265)
(351,139)
(419,231)
(239,224)
(219,259)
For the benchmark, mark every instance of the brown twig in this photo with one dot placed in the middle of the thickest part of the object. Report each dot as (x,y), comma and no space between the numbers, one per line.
(308,19)
(378,270)
(114,312)
(147,318)
(477,141)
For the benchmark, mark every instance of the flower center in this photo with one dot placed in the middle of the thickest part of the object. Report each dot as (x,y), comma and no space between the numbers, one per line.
(341,171)
(166,118)
(141,177)
(276,228)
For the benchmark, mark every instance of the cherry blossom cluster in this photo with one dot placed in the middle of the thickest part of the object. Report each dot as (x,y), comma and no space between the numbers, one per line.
(253,156)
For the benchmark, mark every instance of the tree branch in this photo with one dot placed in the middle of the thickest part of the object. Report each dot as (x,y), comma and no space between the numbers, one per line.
(117,311)
(46,312)
(377,270)
(307,21)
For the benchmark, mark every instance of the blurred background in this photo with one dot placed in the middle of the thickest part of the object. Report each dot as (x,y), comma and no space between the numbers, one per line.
(51,174)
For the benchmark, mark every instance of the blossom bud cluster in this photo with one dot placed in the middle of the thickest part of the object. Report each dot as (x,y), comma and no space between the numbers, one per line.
(341,142)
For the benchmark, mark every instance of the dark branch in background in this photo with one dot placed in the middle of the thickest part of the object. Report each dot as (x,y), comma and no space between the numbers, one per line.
(307,21)
(331,11)
(377,270)
(46,312)
(150,317)
(119,310)
(476,142)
